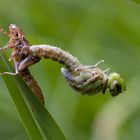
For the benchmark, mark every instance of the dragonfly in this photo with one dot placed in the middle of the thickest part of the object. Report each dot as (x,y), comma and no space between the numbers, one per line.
(86,79)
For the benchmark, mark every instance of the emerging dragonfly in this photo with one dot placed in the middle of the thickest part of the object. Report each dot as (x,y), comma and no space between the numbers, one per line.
(88,80)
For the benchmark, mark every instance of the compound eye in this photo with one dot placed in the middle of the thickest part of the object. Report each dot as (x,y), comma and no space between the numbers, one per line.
(116,84)
(115,88)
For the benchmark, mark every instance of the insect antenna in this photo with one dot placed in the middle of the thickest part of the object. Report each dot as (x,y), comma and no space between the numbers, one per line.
(3,31)
(4,48)
(7,34)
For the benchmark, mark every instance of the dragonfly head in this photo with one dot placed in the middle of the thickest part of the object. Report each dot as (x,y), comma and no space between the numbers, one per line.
(116,84)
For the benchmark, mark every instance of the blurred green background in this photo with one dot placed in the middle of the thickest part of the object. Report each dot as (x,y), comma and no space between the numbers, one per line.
(91,30)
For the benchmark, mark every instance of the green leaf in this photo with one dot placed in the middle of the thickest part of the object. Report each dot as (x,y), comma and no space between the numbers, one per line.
(38,122)
(20,104)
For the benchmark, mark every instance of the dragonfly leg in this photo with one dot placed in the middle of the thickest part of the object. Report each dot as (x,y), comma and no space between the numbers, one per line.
(8,73)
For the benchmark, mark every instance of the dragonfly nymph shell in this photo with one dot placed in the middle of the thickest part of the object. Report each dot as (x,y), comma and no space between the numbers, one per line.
(32,83)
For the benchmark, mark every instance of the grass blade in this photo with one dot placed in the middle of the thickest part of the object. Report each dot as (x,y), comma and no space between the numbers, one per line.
(20,104)
(44,120)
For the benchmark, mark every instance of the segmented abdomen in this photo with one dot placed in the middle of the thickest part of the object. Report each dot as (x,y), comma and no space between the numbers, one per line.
(55,54)
(31,82)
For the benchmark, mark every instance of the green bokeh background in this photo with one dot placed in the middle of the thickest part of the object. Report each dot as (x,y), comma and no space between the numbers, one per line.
(91,30)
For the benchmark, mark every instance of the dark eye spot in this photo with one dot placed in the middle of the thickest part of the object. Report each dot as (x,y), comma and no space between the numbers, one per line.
(116,88)
(16,34)
(95,73)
